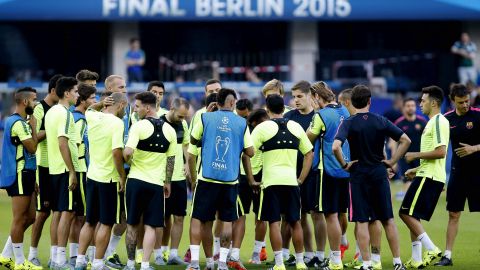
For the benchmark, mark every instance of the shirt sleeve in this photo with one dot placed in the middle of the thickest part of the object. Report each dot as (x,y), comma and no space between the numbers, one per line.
(441,132)
(192,149)
(63,124)
(21,130)
(305,144)
(186,133)
(257,137)
(392,130)
(172,138)
(117,136)
(342,132)
(80,130)
(197,130)
(247,139)
(38,113)
(317,126)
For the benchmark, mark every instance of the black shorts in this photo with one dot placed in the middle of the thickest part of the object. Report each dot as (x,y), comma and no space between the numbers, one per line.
(24,185)
(103,203)
(80,198)
(370,197)
(176,204)
(278,201)
(333,196)
(421,198)
(44,196)
(121,195)
(64,199)
(308,192)
(144,199)
(212,197)
(460,188)
(246,197)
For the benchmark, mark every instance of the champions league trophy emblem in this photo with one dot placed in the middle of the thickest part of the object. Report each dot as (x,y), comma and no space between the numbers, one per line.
(221,148)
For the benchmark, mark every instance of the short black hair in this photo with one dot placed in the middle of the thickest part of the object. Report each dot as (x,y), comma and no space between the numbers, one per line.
(275,104)
(132,40)
(360,96)
(86,75)
(63,85)
(302,86)
(223,94)
(434,93)
(212,81)
(26,89)
(84,92)
(53,82)
(243,104)
(23,93)
(155,83)
(256,115)
(178,102)
(458,90)
(408,100)
(210,98)
(147,98)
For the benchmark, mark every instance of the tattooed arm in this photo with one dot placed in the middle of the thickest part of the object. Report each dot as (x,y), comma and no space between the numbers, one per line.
(168,178)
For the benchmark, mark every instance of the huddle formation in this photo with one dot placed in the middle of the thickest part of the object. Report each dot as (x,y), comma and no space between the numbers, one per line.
(104,168)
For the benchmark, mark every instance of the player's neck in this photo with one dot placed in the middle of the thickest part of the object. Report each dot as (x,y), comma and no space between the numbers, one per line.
(168,116)
(81,108)
(275,116)
(433,112)
(151,115)
(364,110)
(64,102)
(411,118)
(49,100)
(21,112)
(459,113)
(307,110)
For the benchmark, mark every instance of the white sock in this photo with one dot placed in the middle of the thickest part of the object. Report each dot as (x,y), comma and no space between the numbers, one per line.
(257,248)
(235,254)
(195,252)
(278,258)
(61,256)
(145,265)
(426,242)
(53,253)
(80,260)
(448,254)
(173,253)
(164,248)
(33,253)
(157,252)
(320,255)
(8,249)
(285,253)
(375,257)
(18,252)
(97,263)
(299,257)
(417,251)
(210,262)
(216,245)
(223,255)
(73,250)
(91,253)
(131,263)
(397,261)
(335,256)
(112,245)
(367,264)
(309,255)
(344,240)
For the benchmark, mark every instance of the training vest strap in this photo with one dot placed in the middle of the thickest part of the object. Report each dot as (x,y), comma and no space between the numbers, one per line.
(156,142)
(284,139)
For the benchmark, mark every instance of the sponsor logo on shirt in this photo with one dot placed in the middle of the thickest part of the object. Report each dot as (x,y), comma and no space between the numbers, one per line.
(469,125)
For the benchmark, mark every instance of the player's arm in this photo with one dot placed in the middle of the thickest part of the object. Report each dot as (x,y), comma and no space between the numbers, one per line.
(248,144)
(107,101)
(466,149)
(192,163)
(438,153)
(26,136)
(340,138)
(36,121)
(305,147)
(440,135)
(403,144)
(316,128)
(117,152)
(197,133)
(67,158)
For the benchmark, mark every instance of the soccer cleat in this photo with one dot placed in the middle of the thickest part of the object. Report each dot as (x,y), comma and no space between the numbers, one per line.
(188,256)
(159,261)
(222,266)
(291,261)
(129,267)
(36,261)
(276,267)
(148,268)
(209,267)
(7,262)
(376,265)
(301,266)
(356,262)
(430,256)
(113,261)
(26,265)
(238,265)
(399,266)
(411,264)
(191,267)
(175,260)
(64,266)
(139,257)
(73,261)
(366,268)
(166,255)
(444,262)
(333,266)
(216,257)
(255,258)
(81,266)
(343,249)
(314,262)
(263,254)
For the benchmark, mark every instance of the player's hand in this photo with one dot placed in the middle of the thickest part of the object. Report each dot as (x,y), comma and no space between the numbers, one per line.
(391,173)
(72,180)
(193,185)
(37,189)
(350,164)
(255,186)
(410,156)
(411,173)
(166,190)
(465,150)
(108,101)
(33,122)
(388,163)
(300,182)
(211,106)
(121,184)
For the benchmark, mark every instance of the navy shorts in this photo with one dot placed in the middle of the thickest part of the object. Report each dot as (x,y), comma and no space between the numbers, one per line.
(278,201)
(463,187)
(246,197)
(370,197)
(176,204)
(147,200)
(64,199)
(103,203)
(24,185)
(333,194)
(44,196)
(212,197)
(421,198)
(308,192)
(80,198)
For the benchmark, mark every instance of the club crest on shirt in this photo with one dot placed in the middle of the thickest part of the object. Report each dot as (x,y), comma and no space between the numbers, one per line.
(365,117)
(469,125)
(418,126)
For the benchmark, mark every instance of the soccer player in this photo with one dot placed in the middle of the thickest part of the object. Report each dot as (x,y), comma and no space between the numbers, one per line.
(150,150)
(463,183)
(275,87)
(428,179)
(86,98)
(345,98)
(243,107)
(18,176)
(333,185)
(106,176)
(63,164)
(158,89)
(280,194)
(303,115)
(366,133)
(87,77)
(224,137)
(44,197)
(176,204)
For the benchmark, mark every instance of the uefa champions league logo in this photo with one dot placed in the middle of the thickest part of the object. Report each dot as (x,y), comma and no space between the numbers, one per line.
(225,120)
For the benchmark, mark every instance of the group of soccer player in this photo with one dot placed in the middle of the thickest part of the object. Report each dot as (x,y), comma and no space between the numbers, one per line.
(106,168)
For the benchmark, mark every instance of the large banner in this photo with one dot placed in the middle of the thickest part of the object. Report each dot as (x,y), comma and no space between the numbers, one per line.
(238,10)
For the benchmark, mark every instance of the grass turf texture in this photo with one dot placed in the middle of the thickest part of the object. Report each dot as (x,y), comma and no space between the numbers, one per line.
(466,253)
